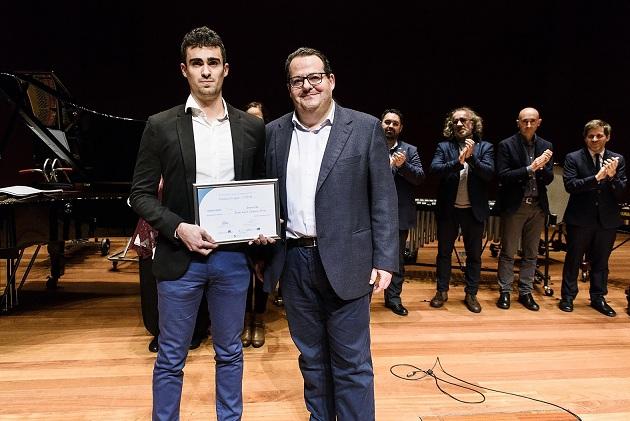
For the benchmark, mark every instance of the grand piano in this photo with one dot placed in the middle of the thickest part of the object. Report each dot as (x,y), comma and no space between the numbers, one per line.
(47,141)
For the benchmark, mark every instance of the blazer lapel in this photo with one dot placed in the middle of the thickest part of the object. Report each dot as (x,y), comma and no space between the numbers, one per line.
(187,145)
(521,149)
(453,150)
(282,144)
(236,128)
(339,134)
(589,161)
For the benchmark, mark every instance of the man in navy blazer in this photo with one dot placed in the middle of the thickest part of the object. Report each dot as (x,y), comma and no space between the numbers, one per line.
(524,168)
(340,236)
(204,141)
(595,178)
(408,173)
(465,165)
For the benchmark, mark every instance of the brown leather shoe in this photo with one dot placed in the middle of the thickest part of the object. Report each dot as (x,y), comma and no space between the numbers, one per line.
(246,336)
(439,299)
(258,335)
(472,303)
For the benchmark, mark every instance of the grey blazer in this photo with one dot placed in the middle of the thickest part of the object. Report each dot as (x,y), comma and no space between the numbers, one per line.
(355,202)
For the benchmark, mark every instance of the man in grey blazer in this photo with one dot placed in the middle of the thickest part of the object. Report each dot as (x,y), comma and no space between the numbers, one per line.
(204,141)
(340,231)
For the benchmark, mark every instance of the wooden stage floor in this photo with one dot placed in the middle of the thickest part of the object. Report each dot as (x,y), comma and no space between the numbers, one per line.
(80,353)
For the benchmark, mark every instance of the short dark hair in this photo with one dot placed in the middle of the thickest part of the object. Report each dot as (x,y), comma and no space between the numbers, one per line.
(393,111)
(303,52)
(593,124)
(257,104)
(202,37)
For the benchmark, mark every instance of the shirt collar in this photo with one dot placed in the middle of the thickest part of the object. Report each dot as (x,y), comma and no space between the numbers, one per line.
(525,142)
(328,121)
(601,154)
(195,109)
(394,146)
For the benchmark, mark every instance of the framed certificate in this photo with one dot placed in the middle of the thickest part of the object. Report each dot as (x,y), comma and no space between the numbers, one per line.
(238,211)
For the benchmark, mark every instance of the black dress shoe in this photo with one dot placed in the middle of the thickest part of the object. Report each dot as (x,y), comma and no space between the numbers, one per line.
(600,305)
(528,301)
(566,304)
(397,309)
(195,342)
(504,300)
(153,345)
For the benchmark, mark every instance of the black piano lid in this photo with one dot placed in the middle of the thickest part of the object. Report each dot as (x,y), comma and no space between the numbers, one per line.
(101,149)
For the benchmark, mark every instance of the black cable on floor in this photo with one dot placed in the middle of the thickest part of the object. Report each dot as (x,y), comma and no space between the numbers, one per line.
(414,375)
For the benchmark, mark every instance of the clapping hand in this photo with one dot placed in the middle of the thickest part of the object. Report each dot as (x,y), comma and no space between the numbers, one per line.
(468,150)
(542,160)
(610,165)
(397,159)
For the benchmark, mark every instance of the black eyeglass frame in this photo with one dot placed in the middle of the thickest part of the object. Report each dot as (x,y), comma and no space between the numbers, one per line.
(297,82)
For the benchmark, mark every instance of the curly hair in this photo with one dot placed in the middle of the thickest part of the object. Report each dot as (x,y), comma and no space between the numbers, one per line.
(448,131)
(202,37)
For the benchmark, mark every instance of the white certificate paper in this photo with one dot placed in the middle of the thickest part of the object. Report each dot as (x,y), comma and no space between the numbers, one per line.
(238,211)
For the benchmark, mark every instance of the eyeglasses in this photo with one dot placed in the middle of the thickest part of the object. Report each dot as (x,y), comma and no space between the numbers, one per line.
(313,78)
(462,120)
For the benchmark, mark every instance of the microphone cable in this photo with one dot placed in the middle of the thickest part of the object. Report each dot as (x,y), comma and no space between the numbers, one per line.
(414,375)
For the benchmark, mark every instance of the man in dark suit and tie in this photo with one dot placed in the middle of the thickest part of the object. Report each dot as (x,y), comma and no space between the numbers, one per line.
(204,141)
(595,178)
(407,169)
(465,165)
(524,168)
(340,236)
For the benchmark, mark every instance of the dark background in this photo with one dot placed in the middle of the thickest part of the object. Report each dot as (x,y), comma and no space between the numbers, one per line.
(568,59)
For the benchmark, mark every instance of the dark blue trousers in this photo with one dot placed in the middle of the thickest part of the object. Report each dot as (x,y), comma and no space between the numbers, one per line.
(333,337)
(224,277)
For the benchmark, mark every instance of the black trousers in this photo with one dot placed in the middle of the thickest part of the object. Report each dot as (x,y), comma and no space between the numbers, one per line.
(447,231)
(392,293)
(149,303)
(597,243)
(257,297)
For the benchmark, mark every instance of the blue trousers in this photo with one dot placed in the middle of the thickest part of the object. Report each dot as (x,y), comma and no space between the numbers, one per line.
(333,337)
(223,276)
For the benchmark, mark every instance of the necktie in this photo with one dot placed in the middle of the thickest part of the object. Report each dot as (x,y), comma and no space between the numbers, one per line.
(598,163)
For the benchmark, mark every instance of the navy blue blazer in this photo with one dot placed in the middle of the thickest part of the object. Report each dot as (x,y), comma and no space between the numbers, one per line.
(355,202)
(167,149)
(446,165)
(513,176)
(592,203)
(406,177)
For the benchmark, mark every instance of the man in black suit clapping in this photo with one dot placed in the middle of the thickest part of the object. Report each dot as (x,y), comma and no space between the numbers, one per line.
(595,177)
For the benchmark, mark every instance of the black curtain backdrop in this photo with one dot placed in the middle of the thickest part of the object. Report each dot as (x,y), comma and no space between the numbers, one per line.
(568,59)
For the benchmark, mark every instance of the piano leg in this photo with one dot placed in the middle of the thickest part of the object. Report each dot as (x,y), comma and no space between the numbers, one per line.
(56,251)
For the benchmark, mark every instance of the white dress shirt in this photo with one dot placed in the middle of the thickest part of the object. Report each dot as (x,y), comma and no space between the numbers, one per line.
(214,154)
(305,159)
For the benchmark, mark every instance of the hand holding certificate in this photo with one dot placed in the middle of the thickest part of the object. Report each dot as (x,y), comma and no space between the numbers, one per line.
(238,211)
